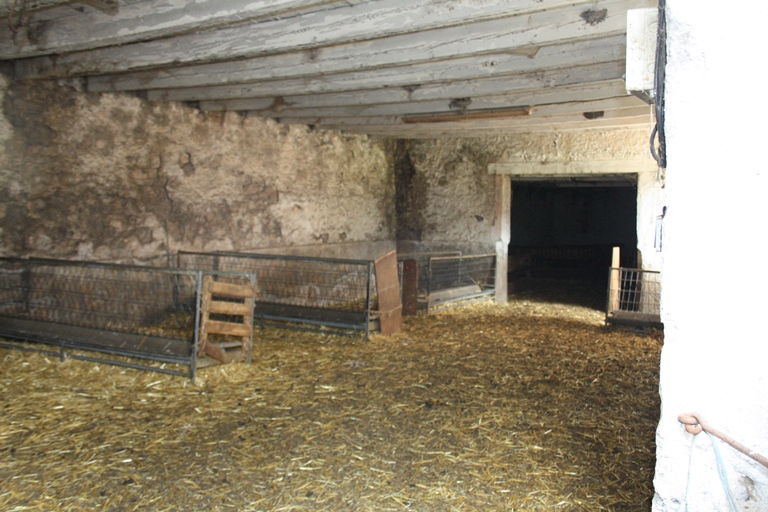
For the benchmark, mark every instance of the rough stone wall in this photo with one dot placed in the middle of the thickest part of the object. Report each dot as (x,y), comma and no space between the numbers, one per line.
(445,192)
(447,197)
(713,286)
(115,178)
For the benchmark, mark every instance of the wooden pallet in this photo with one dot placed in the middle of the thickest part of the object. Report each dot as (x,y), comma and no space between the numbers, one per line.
(232,300)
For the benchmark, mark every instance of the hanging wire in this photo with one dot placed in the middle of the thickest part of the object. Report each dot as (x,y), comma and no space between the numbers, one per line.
(723,474)
(684,505)
(695,424)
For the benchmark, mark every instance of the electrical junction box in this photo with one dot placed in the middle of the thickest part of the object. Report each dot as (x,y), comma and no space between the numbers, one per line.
(642,26)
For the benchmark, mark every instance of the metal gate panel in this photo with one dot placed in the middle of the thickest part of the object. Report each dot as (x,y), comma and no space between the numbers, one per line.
(634,297)
(331,295)
(458,280)
(142,313)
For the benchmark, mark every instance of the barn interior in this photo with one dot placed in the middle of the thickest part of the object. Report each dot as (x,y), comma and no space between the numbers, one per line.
(563,232)
(134,131)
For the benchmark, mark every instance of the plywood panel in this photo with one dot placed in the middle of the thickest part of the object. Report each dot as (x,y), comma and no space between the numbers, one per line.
(388,288)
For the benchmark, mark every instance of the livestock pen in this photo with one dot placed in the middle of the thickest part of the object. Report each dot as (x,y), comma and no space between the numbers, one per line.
(147,316)
(332,295)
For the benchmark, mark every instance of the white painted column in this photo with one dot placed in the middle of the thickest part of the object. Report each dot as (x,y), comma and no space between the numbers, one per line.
(503,233)
(650,204)
(714,300)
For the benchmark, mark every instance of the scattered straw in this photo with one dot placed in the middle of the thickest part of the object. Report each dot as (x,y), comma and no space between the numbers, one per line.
(527,406)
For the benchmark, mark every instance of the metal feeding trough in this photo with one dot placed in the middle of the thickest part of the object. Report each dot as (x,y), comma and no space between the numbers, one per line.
(446,280)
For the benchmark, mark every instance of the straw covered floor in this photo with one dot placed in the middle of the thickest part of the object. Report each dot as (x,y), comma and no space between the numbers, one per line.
(525,406)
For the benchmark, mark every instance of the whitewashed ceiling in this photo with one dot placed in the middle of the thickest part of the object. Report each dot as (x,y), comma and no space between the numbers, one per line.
(396,68)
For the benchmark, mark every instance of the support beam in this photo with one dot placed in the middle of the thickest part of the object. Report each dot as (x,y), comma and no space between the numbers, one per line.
(572,168)
(442,91)
(622,107)
(304,106)
(362,22)
(462,130)
(73,31)
(502,219)
(7,6)
(334,65)
(514,118)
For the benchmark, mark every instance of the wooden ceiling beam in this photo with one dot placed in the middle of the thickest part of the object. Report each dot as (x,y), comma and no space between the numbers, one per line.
(589,109)
(449,91)
(417,75)
(12,7)
(45,33)
(489,129)
(571,94)
(418,36)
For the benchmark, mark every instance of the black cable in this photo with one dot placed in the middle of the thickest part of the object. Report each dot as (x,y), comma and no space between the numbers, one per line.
(659,75)
(654,154)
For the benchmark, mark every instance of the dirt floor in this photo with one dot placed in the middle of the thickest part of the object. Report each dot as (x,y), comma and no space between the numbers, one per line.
(532,405)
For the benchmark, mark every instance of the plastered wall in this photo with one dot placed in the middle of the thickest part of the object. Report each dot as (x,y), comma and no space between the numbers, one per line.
(447,190)
(115,178)
(713,362)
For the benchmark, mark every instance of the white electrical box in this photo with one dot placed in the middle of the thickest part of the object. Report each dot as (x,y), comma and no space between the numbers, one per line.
(642,25)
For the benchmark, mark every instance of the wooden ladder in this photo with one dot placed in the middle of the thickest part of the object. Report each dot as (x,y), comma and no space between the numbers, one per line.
(238,302)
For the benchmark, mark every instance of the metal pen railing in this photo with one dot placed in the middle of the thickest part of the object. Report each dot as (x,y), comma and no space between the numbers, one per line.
(145,313)
(307,293)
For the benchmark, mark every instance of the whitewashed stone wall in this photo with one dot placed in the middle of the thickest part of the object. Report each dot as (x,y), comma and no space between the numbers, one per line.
(461,201)
(115,178)
(713,285)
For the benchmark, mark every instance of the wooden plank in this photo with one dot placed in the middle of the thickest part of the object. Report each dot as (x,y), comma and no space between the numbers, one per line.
(247,347)
(342,27)
(230,308)
(205,304)
(386,53)
(514,120)
(388,289)
(295,80)
(479,87)
(138,21)
(615,285)
(587,111)
(391,322)
(232,290)
(306,106)
(472,131)
(228,328)
(8,6)
(410,304)
(573,168)
(215,352)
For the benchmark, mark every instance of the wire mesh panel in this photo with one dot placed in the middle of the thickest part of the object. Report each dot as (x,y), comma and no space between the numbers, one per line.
(457,280)
(328,293)
(139,312)
(422,262)
(634,297)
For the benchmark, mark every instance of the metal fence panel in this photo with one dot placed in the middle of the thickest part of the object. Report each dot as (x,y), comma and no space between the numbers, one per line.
(301,292)
(457,280)
(422,262)
(634,297)
(148,313)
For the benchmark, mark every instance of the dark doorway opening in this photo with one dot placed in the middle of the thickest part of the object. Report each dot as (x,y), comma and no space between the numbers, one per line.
(563,231)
